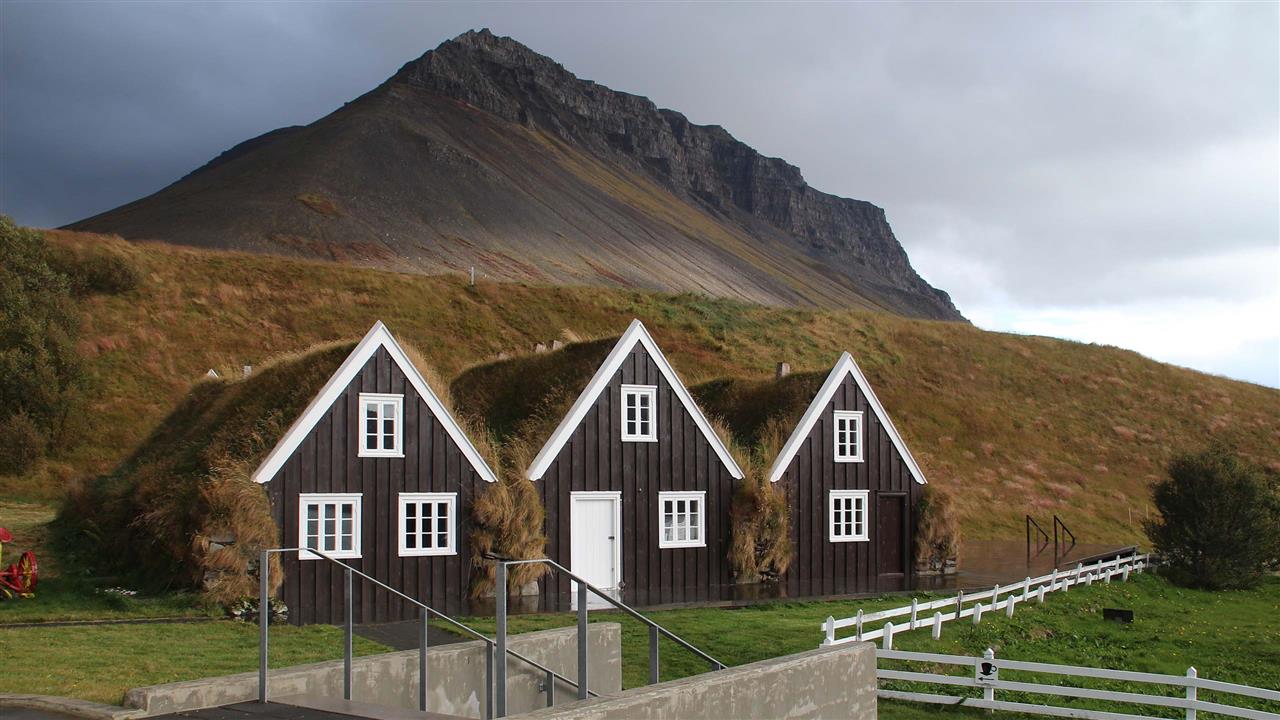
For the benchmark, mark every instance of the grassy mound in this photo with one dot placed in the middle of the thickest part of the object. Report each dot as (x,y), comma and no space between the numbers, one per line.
(157,518)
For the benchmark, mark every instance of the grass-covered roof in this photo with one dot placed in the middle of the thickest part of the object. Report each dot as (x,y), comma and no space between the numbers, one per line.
(761,414)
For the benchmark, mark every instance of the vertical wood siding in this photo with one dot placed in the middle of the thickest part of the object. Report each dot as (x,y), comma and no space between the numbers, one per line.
(595,458)
(328,461)
(821,567)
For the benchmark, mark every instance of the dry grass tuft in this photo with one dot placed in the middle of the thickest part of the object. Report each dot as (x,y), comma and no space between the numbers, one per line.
(760,548)
(937,528)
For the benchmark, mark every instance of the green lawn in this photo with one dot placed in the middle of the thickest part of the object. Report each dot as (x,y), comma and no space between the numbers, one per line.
(101,662)
(1230,636)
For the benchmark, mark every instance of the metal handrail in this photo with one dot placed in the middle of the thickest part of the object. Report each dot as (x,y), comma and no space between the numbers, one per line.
(655,630)
(1031,522)
(1057,522)
(426,612)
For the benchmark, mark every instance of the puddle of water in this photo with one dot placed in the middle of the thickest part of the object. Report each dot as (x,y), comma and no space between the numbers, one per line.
(984,563)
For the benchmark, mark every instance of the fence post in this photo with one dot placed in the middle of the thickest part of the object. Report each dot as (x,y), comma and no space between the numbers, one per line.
(959,603)
(937,625)
(1125,574)
(913,613)
(500,635)
(422,658)
(653,651)
(858,632)
(1008,605)
(829,627)
(995,598)
(1191,693)
(582,640)
(264,617)
(1026,588)
(988,692)
(347,633)
(1040,595)
(1053,582)
(887,643)
(977,613)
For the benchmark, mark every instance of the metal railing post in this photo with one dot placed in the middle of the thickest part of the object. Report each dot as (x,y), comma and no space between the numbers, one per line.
(264,616)
(422,658)
(488,681)
(551,688)
(348,632)
(500,633)
(653,655)
(582,640)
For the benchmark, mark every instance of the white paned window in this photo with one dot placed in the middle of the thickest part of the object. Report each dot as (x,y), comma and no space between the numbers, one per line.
(683,519)
(381,424)
(330,523)
(848,520)
(639,413)
(848,436)
(427,523)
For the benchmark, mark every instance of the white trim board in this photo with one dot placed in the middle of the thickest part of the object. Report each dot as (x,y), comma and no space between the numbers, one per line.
(844,366)
(377,337)
(636,333)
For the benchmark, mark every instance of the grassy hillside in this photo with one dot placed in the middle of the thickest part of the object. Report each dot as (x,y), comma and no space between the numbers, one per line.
(1013,424)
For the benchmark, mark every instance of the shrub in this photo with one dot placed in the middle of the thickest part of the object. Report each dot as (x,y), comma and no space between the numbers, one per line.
(21,444)
(1219,521)
(937,529)
(40,371)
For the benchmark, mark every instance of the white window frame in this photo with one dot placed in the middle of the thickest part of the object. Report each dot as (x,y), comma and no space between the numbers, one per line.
(853,417)
(379,399)
(306,500)
(629,391)
(861,507)
(417,498)
(700,497)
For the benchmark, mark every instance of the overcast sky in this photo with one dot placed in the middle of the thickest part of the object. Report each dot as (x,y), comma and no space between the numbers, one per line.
(1102,172)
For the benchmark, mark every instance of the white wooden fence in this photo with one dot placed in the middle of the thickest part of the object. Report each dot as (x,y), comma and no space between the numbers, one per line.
(988,671)
(1006,597)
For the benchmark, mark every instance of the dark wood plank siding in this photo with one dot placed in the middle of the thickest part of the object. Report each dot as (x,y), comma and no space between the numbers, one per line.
(821,567)
(328,461)
(681,459)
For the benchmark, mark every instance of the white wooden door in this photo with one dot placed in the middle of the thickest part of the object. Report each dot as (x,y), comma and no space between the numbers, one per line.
(595,536)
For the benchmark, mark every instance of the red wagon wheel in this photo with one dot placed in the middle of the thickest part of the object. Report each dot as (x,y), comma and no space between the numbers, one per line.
(27,573)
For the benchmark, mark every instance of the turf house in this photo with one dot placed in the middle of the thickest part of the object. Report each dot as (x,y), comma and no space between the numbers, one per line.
(345,448)
(635,481)
(850,482)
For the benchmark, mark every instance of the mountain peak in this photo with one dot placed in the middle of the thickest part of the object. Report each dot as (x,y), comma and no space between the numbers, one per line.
(484,152)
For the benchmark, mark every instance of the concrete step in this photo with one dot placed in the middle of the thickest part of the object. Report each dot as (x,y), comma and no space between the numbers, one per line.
(352,708)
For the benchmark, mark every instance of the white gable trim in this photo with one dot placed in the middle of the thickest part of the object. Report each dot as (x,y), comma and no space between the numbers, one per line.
(844,366)
(377,337)
(636,333)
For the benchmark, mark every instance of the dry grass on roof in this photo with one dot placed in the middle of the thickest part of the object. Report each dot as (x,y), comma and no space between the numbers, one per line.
(522,399)
(761,414)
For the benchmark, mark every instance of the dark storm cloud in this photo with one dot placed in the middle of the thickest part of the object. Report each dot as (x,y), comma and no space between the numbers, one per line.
(1068,169)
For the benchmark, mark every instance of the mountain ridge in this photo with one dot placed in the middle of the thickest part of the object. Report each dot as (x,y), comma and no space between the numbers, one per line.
(563,181)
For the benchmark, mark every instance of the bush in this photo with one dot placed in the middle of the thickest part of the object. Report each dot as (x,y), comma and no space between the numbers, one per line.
(40,369)
(1219,522)
(100,270)
(21,444)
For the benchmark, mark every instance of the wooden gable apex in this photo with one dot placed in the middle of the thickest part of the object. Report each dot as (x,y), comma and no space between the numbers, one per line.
(845,366)
(377,337)
(636,333)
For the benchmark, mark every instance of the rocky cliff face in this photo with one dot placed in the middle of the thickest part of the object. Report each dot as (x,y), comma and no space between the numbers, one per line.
(484,153)
(700,162)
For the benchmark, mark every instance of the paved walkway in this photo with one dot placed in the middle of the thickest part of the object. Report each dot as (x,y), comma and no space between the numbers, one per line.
(404,635)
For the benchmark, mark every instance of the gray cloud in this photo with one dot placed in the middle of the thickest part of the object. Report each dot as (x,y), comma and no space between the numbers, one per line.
(1033,158)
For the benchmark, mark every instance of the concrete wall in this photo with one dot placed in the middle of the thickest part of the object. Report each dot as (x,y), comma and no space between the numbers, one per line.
(838,682)
(455,677)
